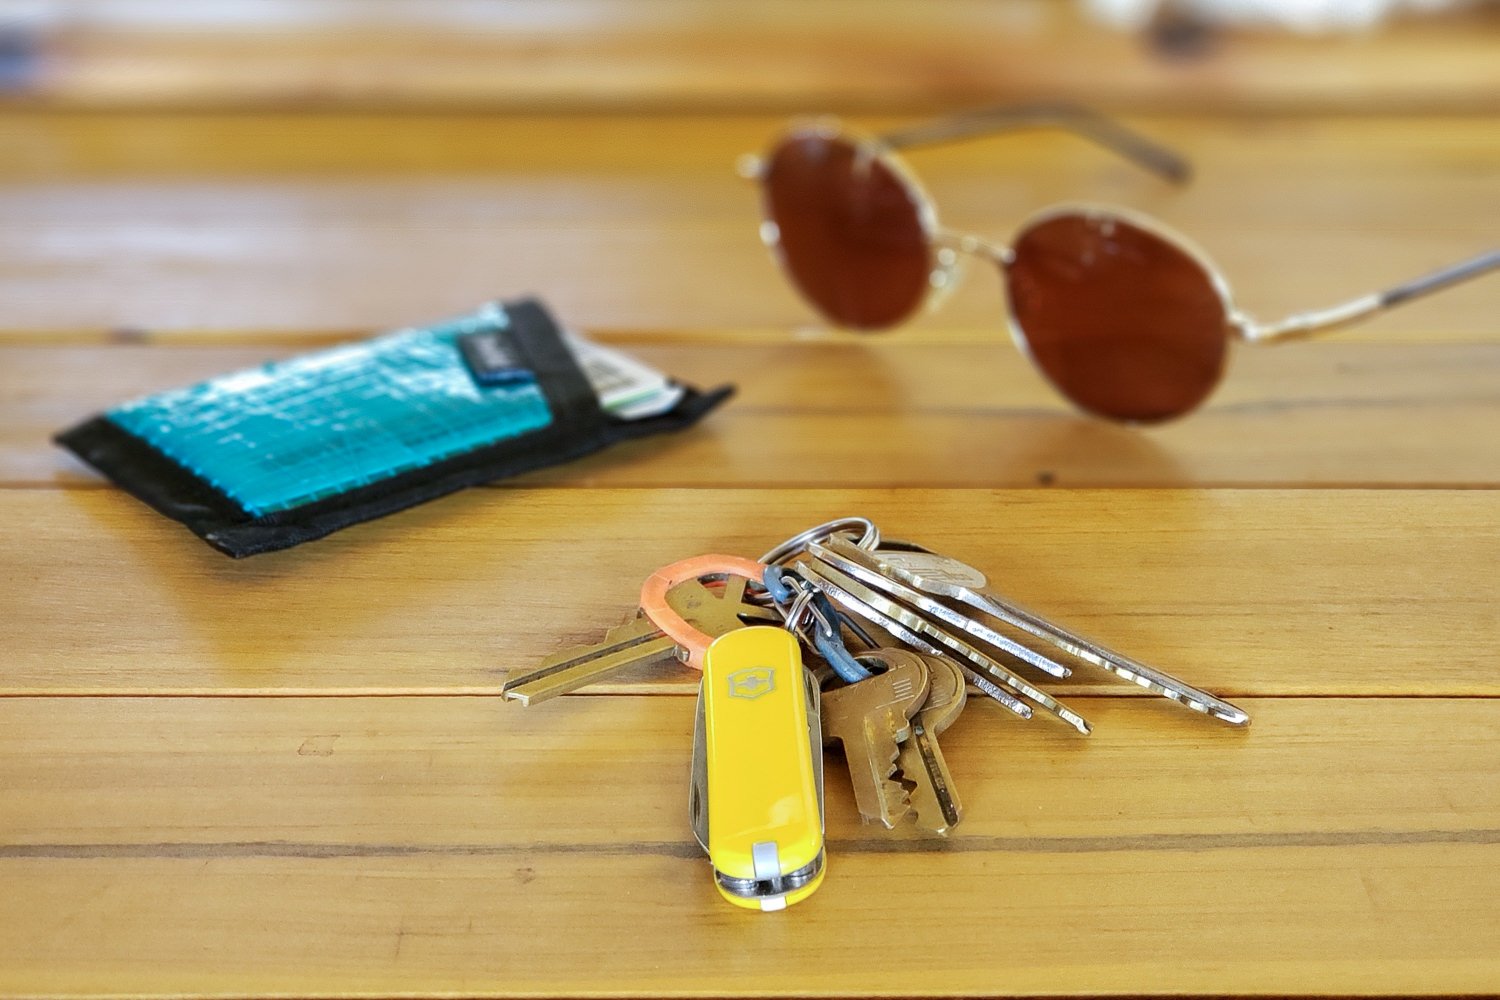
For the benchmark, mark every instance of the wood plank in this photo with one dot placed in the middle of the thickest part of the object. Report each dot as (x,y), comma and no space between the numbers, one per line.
(434,846)
(671,54)
(848,411)
(1380,921)
(371,776)
(1244,593)
(351,222)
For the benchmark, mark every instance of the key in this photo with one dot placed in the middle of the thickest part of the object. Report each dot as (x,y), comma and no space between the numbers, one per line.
(934,800)
(842,555)
(913,641)
(637,642)
(871,718)
(827,576)
(943,576)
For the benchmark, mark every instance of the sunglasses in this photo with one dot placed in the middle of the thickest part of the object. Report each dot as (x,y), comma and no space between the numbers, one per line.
(1127,319)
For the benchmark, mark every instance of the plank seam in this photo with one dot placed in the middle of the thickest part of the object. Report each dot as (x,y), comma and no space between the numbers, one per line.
(689,850)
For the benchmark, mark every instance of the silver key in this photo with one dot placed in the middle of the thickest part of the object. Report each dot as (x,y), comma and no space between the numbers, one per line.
(826,576)
(842,555)
(637,642)
(854,606)
(934,799)
(943,576)
(870,718)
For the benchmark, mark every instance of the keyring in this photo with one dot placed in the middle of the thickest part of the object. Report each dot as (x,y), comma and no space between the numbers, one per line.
(869,538)
(654,598)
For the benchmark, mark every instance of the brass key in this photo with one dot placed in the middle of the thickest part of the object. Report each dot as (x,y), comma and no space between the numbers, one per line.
(637,642)
(870,718)
(934,800)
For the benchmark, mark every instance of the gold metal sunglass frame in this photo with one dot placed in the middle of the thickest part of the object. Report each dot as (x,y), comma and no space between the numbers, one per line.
(946,246)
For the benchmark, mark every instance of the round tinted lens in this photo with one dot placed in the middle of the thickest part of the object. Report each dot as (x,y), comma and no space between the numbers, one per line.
(1126,324)
(848,229)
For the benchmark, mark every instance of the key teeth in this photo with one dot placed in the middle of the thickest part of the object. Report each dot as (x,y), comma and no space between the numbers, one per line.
(894,792)
(926,807)
(929,815)
(894,801)
(897,801)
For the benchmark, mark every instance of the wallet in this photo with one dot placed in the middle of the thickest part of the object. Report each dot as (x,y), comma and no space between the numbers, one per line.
(274,456)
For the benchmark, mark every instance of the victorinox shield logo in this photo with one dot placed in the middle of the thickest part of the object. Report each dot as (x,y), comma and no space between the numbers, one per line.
(751,683)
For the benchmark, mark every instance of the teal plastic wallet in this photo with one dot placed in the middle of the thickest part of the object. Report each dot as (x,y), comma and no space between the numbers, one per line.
(270,457)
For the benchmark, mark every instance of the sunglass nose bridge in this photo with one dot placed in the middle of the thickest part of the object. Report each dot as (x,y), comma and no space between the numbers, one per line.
(948,272)
(972,244)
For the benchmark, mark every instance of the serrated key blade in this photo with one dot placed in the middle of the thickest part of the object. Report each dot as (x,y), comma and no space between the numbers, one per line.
(870,717)
(932,798)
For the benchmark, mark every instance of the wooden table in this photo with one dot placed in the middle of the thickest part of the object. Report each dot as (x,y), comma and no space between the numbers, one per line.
(292,776)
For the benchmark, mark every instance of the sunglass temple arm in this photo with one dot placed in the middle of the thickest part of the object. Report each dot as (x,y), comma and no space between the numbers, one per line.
(1310,323)
(1089,124)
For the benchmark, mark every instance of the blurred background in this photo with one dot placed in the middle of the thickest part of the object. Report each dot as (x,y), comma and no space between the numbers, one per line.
(788,55)
(346,165)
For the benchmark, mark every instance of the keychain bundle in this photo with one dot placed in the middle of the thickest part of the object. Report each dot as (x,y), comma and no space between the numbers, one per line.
(923,627)
(271,457)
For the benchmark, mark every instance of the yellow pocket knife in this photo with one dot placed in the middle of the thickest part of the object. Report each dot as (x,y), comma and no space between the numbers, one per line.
(757,790)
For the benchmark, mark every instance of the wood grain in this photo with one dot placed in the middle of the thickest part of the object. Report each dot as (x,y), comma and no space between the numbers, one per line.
(841,410)
(428,846)
(631,223)
(673,54)
(371,776)
(1386,920)
(292,775)
(1258,592)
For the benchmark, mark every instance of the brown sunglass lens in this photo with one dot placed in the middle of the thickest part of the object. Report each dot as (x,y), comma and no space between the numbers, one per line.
(848,229)
(1126,324)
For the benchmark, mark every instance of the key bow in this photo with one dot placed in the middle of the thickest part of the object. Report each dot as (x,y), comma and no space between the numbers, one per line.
(656,607)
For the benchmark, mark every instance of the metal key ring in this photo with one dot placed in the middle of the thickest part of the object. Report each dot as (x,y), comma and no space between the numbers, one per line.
(654,598)
(869,538)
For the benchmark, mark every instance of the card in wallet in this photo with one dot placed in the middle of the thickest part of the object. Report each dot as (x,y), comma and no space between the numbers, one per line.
(274,456)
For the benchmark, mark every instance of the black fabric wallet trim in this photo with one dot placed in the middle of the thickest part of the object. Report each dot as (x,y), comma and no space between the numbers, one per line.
(578,428)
